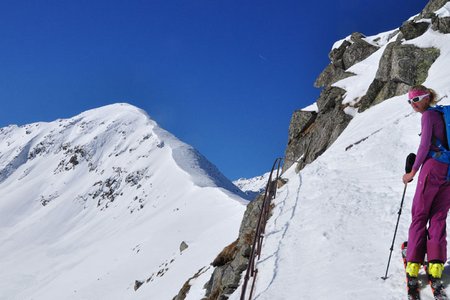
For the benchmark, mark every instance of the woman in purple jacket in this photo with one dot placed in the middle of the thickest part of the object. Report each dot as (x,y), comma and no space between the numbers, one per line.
(432,198)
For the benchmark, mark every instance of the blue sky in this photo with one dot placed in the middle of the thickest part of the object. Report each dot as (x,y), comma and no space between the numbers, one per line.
(223,76)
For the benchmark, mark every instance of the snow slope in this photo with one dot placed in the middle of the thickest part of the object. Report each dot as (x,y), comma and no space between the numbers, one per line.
(253,186)
(93,203)
(333,223)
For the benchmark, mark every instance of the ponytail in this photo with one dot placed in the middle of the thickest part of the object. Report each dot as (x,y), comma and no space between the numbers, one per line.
(433,95)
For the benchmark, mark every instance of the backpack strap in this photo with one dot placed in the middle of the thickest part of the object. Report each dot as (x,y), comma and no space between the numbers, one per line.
(445,111)
(443,155)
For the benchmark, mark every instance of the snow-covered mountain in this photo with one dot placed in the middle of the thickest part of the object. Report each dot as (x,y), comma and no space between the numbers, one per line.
(95,206)
(252,186)
(332,223)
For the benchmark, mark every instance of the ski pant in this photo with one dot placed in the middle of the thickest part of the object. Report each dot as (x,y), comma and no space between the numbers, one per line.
(430,205)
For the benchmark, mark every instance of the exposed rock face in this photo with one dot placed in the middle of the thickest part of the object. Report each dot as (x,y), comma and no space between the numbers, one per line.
(300,122)
(311,133)
(401,67)
(357,51)
(233,260)
(432,6)
(411,29)
(441,24)
(330,75)
(343,57)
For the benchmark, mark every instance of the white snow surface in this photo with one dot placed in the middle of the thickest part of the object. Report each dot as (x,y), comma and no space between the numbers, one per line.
(253,186)
(312,107)
(378,40)
(333,222)
(443,11)
(381,39)
(356,86)
(93,203)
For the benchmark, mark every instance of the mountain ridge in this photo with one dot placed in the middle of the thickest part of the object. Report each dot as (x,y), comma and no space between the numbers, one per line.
(100,200)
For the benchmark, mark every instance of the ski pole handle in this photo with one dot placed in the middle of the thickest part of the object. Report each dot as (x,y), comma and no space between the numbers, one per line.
(410,159)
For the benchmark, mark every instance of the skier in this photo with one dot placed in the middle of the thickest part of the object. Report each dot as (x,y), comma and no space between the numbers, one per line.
(431,200)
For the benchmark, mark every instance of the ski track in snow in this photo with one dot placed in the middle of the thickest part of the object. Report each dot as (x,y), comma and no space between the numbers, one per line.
(283,231)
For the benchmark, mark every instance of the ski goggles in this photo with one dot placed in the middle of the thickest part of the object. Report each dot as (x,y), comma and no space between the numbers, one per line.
(418,98)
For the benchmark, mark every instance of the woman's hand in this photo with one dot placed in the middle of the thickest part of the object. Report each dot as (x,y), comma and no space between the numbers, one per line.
(408,177)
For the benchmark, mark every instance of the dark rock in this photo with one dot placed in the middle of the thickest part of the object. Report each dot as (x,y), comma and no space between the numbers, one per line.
(329,98)
(183,246)
(227,255)
(310,134)
(357,51)
(401,67)
(410,64)
(330,75)
(431,7)
(336,54)
(311,143)
(406,63)
(343,57)
(384,67)
(73,160)
(411,29)
(137,284)
(389,90)
(300,122)
(372,92)
(233,260)
(441,24)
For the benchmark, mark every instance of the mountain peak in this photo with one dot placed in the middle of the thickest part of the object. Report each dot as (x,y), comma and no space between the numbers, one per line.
(117,111)
(97,192)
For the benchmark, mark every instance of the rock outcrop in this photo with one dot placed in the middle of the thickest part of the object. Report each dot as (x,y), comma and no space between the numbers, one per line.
(311,133)
(401,66)
(233,260)
(431,7)
(350,52)
(438,23)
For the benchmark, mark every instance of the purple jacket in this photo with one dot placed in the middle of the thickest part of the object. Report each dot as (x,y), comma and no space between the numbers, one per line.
(432,126)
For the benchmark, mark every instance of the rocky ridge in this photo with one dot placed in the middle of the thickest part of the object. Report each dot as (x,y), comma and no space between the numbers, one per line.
(311,132)
(401,66)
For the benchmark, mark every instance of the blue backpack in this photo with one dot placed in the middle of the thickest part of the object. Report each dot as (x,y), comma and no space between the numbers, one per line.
(443,155)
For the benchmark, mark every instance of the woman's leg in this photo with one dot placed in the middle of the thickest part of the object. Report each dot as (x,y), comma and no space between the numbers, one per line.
(437,235)
(426,191)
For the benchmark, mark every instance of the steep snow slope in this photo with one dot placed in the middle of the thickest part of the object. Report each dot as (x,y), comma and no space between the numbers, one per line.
(333,223)
(92,203)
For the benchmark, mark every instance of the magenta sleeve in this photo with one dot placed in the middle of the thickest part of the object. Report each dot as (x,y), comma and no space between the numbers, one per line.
(425,141)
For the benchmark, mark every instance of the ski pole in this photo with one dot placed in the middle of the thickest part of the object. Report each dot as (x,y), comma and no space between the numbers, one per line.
(408,167)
